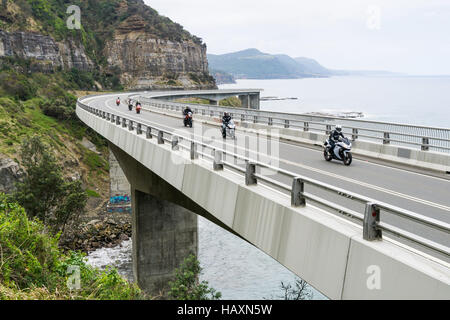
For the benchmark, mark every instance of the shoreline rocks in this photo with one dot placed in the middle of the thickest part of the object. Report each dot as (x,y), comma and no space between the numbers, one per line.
(106,232)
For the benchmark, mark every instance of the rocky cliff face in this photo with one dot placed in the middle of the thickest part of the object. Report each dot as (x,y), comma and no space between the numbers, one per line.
(46,54)
(146,62)
(145,50)
(9,174)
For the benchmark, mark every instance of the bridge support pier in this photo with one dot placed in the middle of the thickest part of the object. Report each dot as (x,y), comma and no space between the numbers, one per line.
(164,234)
(250,101)
(164,230)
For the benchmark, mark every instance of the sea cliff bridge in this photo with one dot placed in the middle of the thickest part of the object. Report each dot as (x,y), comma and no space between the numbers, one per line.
(378,229)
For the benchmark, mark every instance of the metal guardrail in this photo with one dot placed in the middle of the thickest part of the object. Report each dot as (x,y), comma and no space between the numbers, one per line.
(370,218)
(409,136)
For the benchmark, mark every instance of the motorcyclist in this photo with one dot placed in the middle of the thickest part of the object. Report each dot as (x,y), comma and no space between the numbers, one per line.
(335,135)
(118,101)
(225,119)
(186,120)
(187,110)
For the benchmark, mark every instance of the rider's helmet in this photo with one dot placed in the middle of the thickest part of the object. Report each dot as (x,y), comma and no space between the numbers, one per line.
(339,128)
(226,114)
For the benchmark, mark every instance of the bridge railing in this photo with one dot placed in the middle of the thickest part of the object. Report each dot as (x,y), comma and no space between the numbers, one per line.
(410,136)
(369,215)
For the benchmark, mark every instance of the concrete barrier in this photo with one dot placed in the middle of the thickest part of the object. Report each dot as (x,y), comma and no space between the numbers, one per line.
(323,249)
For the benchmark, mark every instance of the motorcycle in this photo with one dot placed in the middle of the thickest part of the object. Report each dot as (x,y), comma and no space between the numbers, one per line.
(130,106)
(138,108)
(188,119)
(118,102)
(341,151)
(229,129)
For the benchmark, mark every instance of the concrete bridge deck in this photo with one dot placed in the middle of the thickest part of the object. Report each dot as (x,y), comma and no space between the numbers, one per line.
(416,192)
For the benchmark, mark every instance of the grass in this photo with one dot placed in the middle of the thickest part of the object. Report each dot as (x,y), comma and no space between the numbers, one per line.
(92,193)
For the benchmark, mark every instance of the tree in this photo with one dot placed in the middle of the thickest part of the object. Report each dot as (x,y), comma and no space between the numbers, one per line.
(300,292)
(43,192)
(186,285)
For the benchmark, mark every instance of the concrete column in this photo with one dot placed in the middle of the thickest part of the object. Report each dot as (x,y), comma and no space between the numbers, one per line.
(245,100)
(164,234)
(164,224)
(214,102)
(254,101)
(120,188)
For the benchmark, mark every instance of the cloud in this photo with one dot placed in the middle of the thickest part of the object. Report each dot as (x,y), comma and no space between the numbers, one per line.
(340,34)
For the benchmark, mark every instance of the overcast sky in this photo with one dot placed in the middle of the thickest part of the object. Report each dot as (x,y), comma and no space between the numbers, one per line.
(410,36)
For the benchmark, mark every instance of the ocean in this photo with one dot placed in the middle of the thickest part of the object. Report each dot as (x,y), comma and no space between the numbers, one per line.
(413,100)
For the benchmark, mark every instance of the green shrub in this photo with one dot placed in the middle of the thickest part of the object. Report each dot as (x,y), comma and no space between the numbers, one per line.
(231,102)
(43,192)
(186,285)
(59,112)
(28,253)
(33,267)
(17,85)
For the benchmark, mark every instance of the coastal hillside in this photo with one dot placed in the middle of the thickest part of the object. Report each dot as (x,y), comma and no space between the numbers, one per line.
(254,64)
(45,66)
(120,43)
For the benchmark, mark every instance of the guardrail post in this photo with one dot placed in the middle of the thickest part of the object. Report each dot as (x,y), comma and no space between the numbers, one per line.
(149,133)
(211,114)
(370,224)
(194,153)
(286,123)
(355,134)
(270,122)
(104,115)
(175,145)
(160,137)
(298,188)
(218,163)
(250,170)
(425,144)
(118,120)
(386,139)
(130,125)
(242,117)
(203,112)
(108,116)
(139,128)
(113,119)
(124,122)
(255,119)
(306,126)
(328,129)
